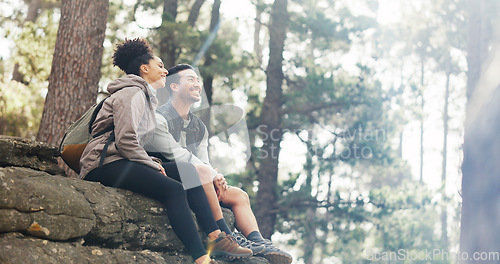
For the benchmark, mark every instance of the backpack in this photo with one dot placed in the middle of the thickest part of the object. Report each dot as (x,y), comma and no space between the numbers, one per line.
(79,134)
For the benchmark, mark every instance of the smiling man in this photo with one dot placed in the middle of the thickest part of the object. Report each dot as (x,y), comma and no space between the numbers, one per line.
(182,136)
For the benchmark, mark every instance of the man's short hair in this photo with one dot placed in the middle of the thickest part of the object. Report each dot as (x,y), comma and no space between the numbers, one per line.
(165,94)
(173,76)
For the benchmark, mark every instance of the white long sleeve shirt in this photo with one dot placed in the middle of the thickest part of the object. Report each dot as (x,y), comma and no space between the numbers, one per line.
(164,143)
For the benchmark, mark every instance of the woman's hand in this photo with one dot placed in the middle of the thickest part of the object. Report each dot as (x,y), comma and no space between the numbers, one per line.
(162,170)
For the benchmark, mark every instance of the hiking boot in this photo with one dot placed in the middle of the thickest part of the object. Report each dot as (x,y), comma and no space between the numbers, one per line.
(273,254)
(226,246)
(244,242)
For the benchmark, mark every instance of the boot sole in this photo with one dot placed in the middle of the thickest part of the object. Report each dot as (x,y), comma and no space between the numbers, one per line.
(222,254)
(255,253)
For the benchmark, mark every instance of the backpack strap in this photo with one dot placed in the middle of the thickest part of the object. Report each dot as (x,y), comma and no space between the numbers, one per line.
(110,139)
(105,149)
(110,128)
(94,114)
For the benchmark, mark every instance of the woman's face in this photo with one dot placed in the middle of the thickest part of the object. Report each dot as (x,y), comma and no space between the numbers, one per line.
(154,73)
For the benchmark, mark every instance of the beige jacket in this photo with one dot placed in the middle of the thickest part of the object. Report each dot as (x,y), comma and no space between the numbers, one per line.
(134,120)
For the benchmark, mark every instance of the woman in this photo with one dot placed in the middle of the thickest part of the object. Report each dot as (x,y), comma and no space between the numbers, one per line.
(125,164)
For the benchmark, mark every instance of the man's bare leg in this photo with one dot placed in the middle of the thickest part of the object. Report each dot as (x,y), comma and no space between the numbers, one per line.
(238,201)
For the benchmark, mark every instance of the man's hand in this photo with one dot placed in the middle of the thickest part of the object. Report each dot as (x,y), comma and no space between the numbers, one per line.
(221,186)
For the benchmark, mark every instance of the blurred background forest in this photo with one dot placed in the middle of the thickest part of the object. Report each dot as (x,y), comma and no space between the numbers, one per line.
(355,109)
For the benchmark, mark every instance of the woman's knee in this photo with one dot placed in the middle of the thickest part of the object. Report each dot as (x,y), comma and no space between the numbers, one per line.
(174,189)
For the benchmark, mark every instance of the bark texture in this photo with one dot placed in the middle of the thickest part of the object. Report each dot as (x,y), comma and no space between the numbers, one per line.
(271,121)
(76,66)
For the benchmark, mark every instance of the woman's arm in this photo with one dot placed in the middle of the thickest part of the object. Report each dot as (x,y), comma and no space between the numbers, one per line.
(129,109)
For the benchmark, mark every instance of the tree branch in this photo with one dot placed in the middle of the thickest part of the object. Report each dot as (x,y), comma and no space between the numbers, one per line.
(311,108)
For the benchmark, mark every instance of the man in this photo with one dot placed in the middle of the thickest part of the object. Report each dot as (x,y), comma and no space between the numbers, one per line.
(182,136)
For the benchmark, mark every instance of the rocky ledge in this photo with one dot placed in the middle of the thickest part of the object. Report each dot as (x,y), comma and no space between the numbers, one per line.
(46,217)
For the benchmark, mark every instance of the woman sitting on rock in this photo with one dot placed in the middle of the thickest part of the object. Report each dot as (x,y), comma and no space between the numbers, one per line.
(125,164)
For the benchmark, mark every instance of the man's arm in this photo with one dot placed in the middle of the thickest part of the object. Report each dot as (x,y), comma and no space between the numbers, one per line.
(203,149)
(164,143)
(219,180)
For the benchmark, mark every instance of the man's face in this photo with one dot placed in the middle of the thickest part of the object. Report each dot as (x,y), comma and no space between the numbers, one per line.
(189,87)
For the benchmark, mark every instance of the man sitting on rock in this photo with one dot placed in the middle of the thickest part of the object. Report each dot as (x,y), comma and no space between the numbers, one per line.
(182,136)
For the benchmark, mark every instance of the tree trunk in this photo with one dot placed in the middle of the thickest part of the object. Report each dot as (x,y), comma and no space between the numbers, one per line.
(168,42)
(481,178)
(209,60)
(480,168)
(310,236)
(205,114)
(195,12)
(17,75)
(76,66)
(309,226)
(328,214)
(422,104)
(444,213)
(257,46)
(271,121)
(477,45)
(400,97)
(209,78)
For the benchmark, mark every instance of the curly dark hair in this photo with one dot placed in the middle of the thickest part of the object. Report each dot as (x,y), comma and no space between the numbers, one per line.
(131,54)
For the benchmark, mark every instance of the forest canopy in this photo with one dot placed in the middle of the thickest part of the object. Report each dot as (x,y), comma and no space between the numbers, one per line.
(354,110)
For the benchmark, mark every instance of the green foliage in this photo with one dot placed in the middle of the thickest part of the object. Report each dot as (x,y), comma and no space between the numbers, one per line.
(120,18)
(22,104)
(405,218)
(20,108)
(228,62)
(354,192)
(34,48)
(181,36)
(12,14)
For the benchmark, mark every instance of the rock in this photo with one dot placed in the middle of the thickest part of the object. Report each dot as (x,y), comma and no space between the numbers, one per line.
(17,248)
(23,152)
(43,205)
(46,217)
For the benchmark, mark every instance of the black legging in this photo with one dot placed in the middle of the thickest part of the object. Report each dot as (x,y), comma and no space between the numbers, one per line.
(149,182)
